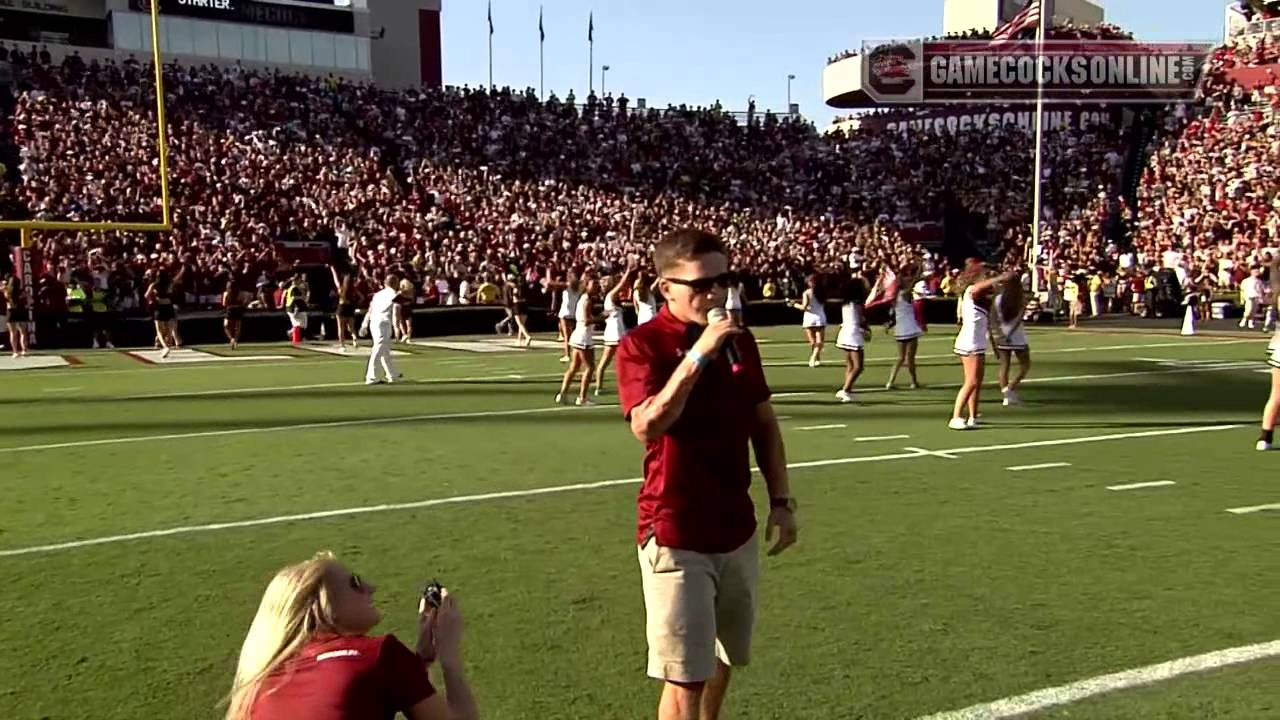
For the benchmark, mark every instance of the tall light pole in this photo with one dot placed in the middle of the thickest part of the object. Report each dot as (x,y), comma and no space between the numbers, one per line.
(789,79)
(603,69)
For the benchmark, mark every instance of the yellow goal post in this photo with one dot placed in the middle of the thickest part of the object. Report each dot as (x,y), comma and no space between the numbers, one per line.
(28,228)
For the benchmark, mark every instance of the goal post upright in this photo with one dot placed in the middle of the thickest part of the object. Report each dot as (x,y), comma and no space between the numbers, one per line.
(28,228)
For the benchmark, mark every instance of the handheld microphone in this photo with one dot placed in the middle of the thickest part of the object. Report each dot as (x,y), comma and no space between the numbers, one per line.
(730,346)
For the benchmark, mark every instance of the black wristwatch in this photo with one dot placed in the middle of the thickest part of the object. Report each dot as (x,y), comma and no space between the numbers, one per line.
(782,502)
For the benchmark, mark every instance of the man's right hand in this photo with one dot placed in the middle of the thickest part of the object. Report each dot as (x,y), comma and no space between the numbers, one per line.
(715,335)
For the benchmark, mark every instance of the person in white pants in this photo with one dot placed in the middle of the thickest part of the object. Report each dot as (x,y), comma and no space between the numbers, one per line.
(381,321)
(1251,293)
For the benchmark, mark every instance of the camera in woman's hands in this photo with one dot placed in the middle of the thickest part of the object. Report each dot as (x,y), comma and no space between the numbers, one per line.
(433,594)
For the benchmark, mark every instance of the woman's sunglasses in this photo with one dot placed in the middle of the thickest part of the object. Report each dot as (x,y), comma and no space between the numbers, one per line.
(704,285)
(357,584)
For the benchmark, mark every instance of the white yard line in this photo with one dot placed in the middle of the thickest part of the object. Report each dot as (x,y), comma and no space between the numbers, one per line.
(1041,466)
(875,438)
(1142,485)
(1253,509)
(421,358)
(791,394)
(63,389)
(296,426)
(837,426)
(1019,705)
(461,499)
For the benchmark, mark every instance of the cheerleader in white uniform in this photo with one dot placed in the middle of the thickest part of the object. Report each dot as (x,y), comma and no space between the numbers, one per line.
(572,287)
(814,321)
(733,302)
(906,329)
(1272,409)
(1011,338)
(642,294)
(615,327)
(580,344)
(854,334)
(971,346)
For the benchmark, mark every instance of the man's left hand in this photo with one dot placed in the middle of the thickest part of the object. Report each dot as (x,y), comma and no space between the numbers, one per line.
(782,525)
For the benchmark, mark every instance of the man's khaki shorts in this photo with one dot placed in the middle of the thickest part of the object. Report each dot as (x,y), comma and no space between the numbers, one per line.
(698,607)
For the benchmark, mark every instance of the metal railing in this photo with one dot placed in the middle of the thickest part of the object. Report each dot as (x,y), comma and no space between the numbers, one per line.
(742,117)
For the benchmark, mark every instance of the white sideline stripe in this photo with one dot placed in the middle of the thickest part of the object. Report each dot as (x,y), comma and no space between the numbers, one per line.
(932,453)
(313,386)
(63,389)
(298,426)
(1137,677)
(873,438)
(343,512)
(1194,343)
(1253,509)
(1141,485)
(318,358)
(80,371)
(482,378)
(837,426)
(1041,466)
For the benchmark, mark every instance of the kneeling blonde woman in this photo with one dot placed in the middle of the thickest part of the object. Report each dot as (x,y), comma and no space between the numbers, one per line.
(309,654)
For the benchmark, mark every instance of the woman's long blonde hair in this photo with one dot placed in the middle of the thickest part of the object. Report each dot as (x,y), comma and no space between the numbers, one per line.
(295,606)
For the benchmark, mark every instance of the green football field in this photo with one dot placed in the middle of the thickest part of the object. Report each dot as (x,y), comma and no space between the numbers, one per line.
(146,506)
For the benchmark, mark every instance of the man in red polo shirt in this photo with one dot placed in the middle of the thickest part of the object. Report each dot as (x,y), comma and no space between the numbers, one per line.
(697,414)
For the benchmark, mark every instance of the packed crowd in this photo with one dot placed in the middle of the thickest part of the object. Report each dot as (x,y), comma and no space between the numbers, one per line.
(458,189)
(453,188)
(1208,211)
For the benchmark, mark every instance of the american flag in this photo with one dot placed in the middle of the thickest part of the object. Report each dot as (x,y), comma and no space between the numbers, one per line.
(1027,18)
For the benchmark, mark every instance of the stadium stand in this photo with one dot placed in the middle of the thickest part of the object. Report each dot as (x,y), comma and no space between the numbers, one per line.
(458,187)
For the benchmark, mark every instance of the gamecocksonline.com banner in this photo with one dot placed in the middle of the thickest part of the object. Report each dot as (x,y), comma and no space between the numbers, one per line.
(922,73)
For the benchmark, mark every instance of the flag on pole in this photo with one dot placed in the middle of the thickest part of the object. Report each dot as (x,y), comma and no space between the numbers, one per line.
(591,27)
(542,34)
(491,17)
(1027,19)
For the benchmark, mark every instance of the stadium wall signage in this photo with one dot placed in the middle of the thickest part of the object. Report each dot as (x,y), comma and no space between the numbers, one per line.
(952,121)
(918,72)
(254,12)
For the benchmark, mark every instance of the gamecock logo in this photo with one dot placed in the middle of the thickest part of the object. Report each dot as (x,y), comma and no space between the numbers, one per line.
(892,69)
